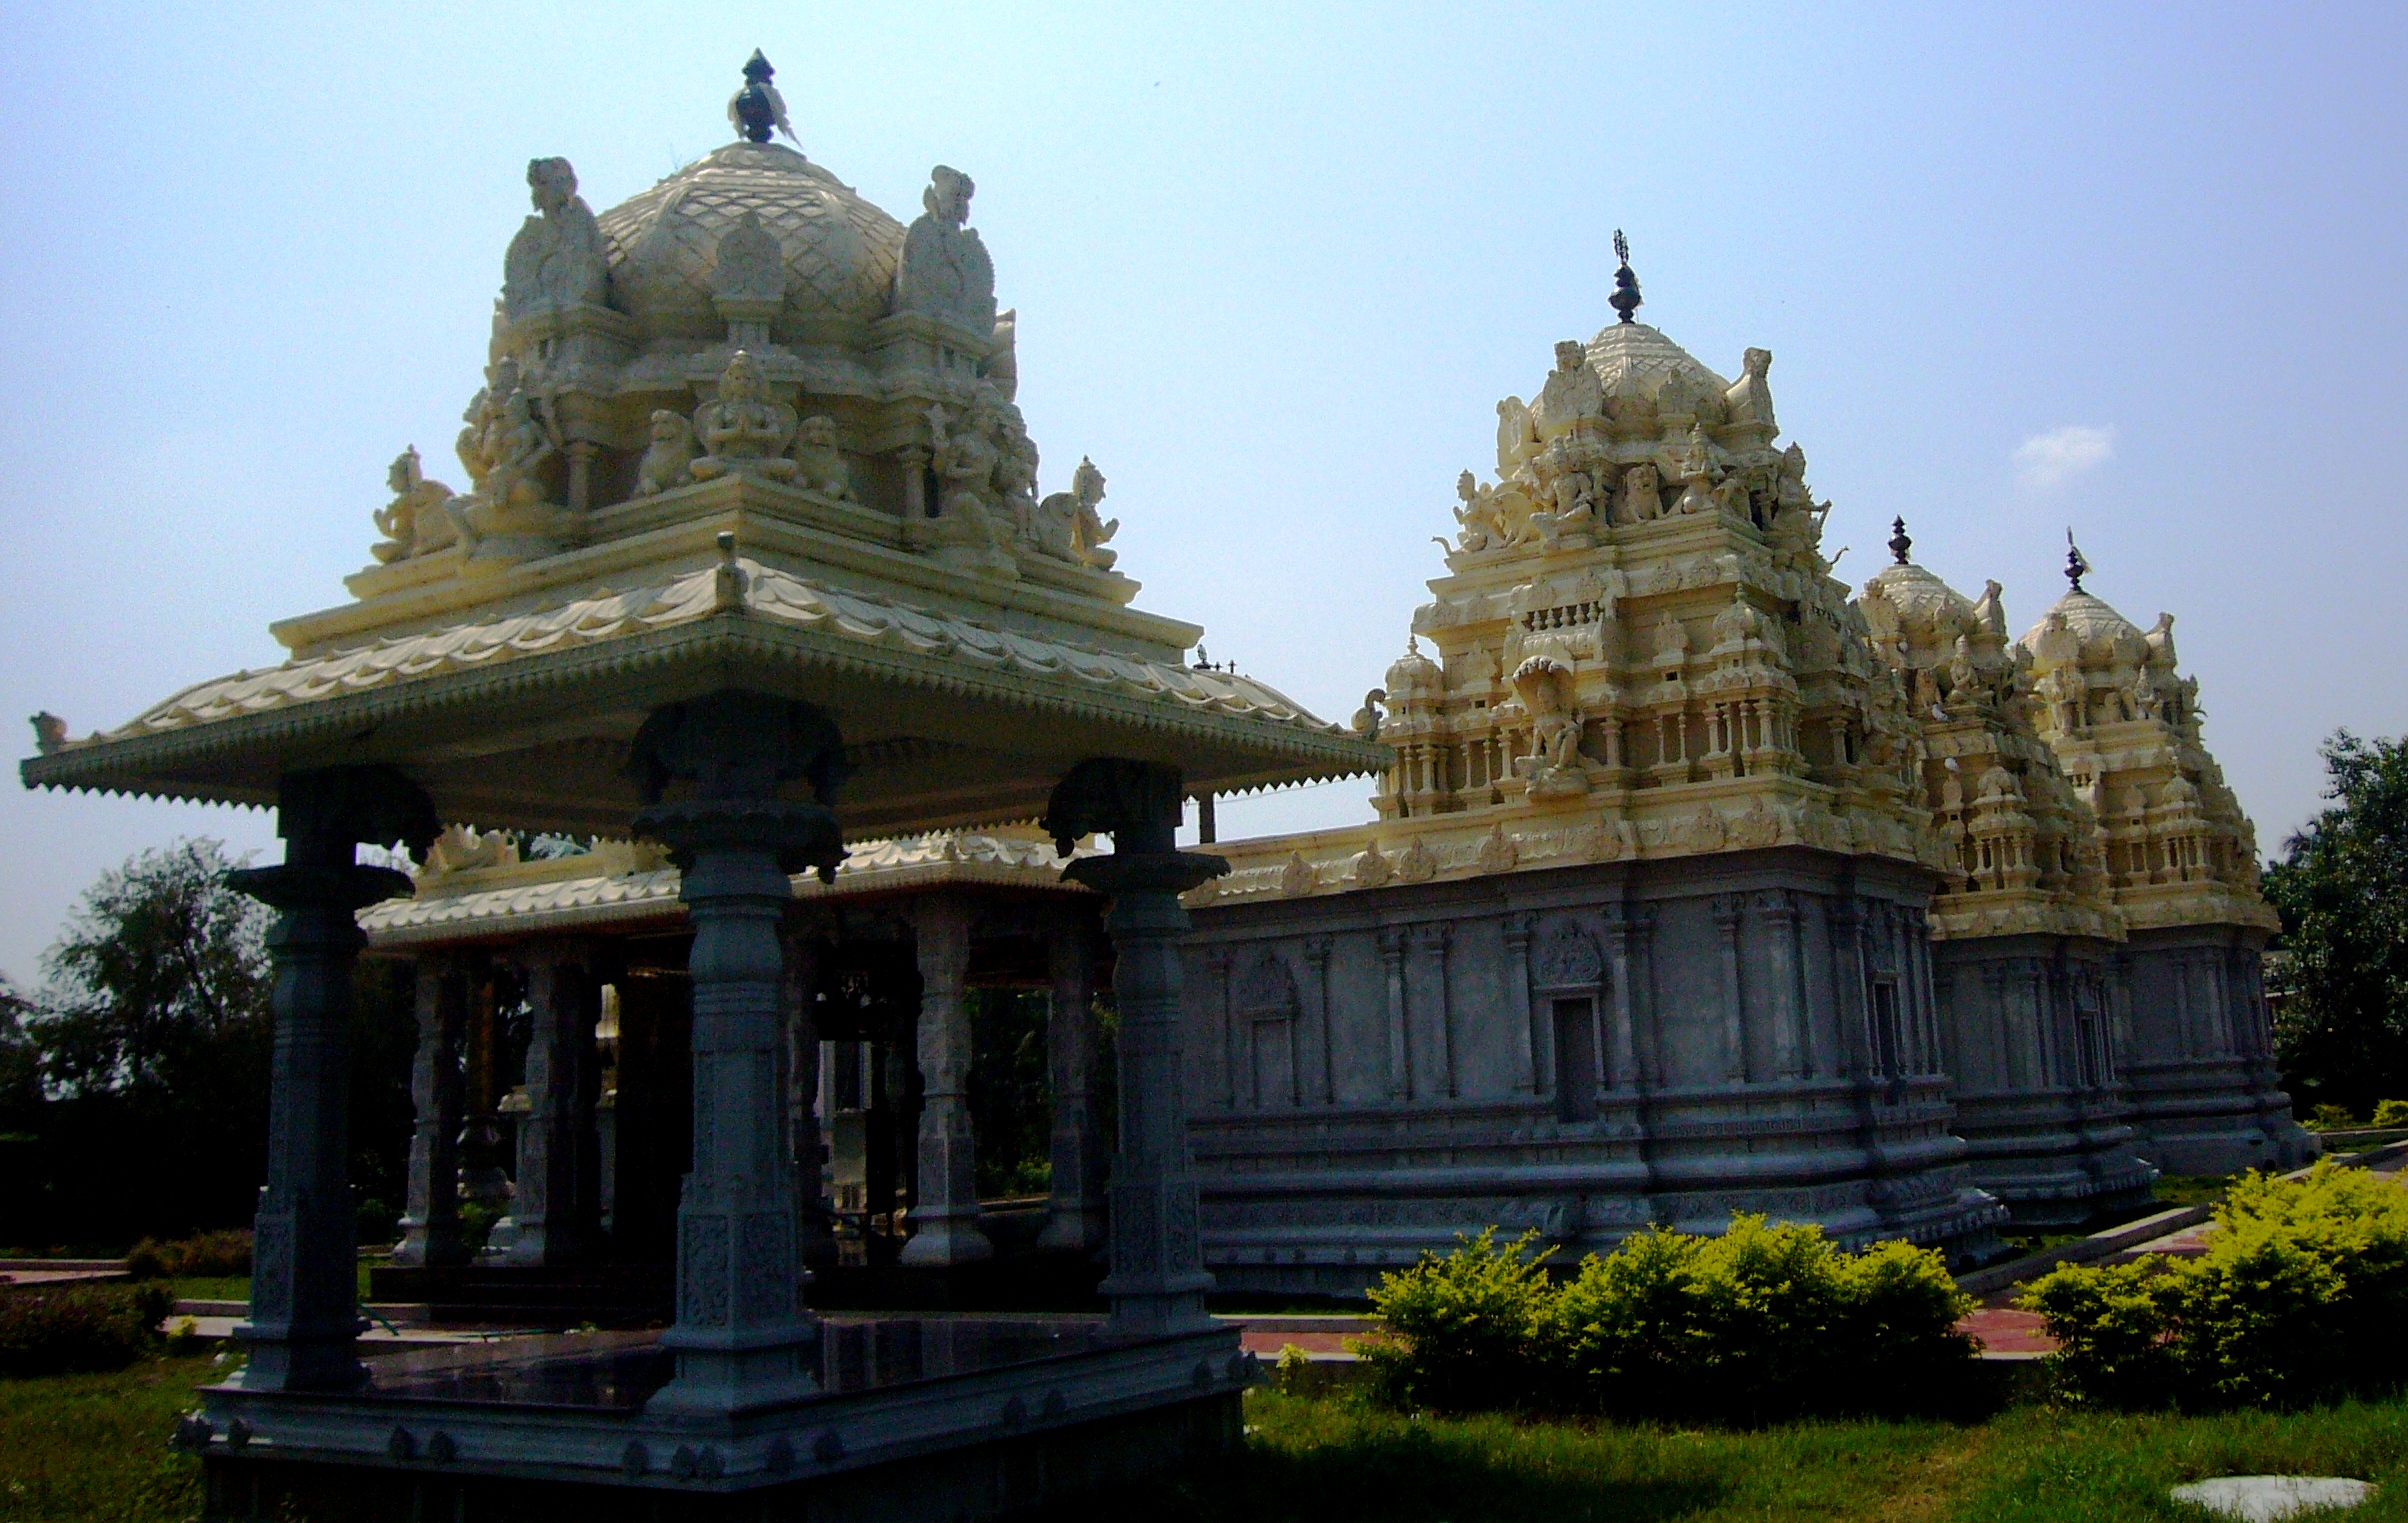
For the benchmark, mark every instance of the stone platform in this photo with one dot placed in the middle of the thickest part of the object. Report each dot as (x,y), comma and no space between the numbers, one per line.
(992,1414)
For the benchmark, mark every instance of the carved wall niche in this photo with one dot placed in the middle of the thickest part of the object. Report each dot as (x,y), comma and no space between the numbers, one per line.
(1567,979)
(1265,1009)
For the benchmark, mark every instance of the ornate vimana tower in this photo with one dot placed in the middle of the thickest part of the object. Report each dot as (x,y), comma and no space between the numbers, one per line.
(1640,934)
(2027,944)
(2180,864)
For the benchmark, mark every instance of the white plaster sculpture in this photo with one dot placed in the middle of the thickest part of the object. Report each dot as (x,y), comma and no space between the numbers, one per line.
(741,430)
(414,522)
(557,258)
(819,467)
(945,271)
(668,456)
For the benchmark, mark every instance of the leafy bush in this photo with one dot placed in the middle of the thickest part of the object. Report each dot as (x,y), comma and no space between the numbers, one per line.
(1761,1321)
(2300,1295)
(2331,1118)
(209,1255)
(78,1328)
(1459,1327)
(2391,1113)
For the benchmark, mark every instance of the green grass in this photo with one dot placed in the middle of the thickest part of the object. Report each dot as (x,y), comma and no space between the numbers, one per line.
(1334,1461)
(2192,1189)
(93,1448)
(226,1288)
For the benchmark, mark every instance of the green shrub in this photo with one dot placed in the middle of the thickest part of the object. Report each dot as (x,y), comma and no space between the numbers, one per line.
(208,1256)
(2390,1113)
(2332,1118)
(1762,1321)
(1459,1326)
(78,1327)
(2113,1329)
(2301,1294)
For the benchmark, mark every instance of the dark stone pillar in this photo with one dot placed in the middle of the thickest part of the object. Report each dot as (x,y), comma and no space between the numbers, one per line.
(305,1256)
(814,1227)
(1157,1281)
(430,1227)
(741,1337)
(1075,1213)
(944,1214)
(556,1210)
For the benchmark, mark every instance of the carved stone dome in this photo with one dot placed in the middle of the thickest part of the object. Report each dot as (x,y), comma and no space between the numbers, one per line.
(1923,601)
(1633,359)
(840,252)
(2090,620)
(1414,675)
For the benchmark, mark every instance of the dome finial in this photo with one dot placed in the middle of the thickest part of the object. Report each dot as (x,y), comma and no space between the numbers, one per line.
(758,110)
(1899,543)
(1625,299)
(2076,568)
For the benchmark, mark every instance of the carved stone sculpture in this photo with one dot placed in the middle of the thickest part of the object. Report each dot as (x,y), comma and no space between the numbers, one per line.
(818,466)
(557,258)
(668,456)
(968,528)
(1089,531)
(1750,399)
(414,521)
(1516,439)
(1572,392)
(748,281)
(1476,526)
(1642,497)
(741,430)
(1565,526)
(945,271)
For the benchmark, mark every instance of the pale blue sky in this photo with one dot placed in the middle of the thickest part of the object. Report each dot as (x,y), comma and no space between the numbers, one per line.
(1273,268)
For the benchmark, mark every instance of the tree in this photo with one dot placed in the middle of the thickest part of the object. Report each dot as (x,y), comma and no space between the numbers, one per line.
(2342,891)
(162,970)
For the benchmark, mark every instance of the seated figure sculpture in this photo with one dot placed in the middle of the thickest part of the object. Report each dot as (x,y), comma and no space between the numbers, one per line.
(741,431)
(669,457)
(1089,531)
(414,522)
(1567,525)
(818,465)
(968,529)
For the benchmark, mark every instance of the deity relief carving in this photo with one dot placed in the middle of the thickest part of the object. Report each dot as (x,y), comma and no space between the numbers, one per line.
(1566,524)
(968,529)
(414,522)
(1572,392)
(667,456)
(750,266)
(557,258)
(945,270)
(1543,683)
(1371,868)
(1068,526)
(741,431)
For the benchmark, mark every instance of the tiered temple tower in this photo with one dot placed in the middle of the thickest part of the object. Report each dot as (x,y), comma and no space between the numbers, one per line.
(2181,867)
(1640,933)
(2025,941)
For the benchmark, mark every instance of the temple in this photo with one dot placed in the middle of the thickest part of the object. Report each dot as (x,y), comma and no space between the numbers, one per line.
(749,586)
(749,711)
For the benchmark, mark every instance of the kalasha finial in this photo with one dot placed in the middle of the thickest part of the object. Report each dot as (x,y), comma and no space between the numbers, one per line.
(758,110)
(1625,299)
(1899,543)
(2076,568)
